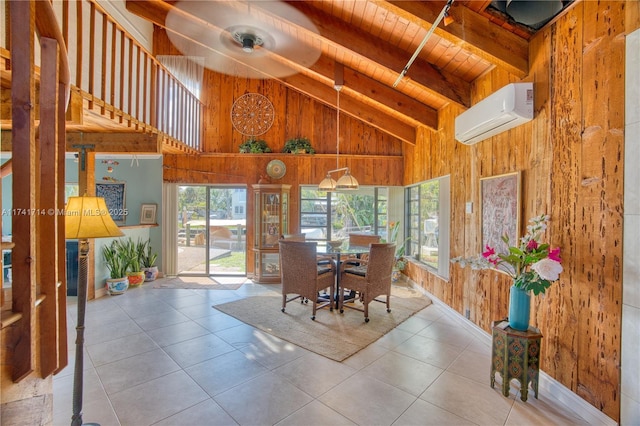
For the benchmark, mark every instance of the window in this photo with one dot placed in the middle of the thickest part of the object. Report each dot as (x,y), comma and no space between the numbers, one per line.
(428,213)
(333,215)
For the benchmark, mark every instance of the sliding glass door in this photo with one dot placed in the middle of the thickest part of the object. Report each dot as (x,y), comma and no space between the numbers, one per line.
(211,230)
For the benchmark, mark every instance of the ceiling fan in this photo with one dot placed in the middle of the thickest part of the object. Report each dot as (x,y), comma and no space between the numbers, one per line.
(259,39)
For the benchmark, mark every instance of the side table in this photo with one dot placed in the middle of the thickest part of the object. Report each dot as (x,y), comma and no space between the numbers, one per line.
(515,355)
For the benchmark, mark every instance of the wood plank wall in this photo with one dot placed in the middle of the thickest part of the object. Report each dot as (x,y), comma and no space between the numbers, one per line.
(571,158)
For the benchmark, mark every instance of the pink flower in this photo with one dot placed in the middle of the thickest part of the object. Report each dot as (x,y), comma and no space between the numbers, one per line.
(532,245)
(555,255)
(548,269)
(489,252)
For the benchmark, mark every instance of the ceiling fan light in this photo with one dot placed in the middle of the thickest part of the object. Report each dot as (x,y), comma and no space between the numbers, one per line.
(347,182)
(327,184)
(247,44)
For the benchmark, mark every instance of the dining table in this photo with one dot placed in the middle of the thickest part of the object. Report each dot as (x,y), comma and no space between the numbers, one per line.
(339,255)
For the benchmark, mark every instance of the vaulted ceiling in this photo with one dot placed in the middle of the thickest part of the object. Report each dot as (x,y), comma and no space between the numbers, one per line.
(373,41)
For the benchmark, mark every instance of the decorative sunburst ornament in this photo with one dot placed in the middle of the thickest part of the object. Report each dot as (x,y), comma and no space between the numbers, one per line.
(252,114)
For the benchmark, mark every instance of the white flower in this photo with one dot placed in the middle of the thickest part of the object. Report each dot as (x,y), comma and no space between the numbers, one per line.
(548,269)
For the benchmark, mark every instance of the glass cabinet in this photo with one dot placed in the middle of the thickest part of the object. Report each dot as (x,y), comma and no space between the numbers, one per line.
(271,220)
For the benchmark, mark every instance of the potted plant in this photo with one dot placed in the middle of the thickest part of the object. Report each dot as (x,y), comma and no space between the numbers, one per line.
(148,262)
(400,263)
(254,146)
(298,146)
(532,265)
(117,263)
(133,252)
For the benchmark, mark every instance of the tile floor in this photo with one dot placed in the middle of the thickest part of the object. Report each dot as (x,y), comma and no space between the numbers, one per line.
(166,357)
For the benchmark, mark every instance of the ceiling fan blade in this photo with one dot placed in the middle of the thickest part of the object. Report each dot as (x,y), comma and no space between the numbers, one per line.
(215,30)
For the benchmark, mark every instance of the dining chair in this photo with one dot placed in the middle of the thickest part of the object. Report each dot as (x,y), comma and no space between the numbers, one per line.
(371,279)
(303,277)
(356,239)
(294,237)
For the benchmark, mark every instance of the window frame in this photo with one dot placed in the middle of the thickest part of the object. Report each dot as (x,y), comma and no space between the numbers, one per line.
(413,224)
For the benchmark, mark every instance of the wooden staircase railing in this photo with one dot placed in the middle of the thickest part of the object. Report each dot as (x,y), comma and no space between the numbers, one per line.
(118,78)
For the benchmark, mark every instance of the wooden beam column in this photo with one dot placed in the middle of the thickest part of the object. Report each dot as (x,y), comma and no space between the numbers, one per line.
(47,218)
(23,100)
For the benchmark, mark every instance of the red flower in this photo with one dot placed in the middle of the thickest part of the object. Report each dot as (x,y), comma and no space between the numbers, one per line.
(555,254)
(532,245)
(489,252)
(490,255)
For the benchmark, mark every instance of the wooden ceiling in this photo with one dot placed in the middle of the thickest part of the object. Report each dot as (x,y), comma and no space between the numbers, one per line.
(374,40)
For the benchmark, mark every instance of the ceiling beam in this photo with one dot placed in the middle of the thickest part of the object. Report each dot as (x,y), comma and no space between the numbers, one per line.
(376,94)
(469,30)
(350,106)
(386,57)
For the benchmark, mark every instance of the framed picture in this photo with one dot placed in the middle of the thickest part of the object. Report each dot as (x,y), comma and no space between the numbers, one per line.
(113,194)
(148,214)
(500,196)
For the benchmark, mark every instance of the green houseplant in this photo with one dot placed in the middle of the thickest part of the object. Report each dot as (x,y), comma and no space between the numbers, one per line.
(400,263)
(298,146)
(254,146)
(148,261)
(117,263)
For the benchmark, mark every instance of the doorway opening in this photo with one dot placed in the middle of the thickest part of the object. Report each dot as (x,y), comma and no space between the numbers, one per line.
(212,230)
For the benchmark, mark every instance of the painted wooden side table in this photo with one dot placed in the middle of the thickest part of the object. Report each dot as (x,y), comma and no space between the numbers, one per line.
(515,355)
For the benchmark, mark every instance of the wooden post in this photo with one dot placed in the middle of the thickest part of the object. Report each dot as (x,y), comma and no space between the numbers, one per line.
(23,100)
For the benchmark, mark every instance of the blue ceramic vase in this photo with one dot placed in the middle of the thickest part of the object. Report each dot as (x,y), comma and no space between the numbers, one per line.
(519,307)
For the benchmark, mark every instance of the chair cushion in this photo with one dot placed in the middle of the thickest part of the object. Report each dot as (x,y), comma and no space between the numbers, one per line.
(358,270)
(323,270)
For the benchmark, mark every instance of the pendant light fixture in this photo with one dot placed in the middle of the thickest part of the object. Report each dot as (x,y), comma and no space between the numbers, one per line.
(346,181)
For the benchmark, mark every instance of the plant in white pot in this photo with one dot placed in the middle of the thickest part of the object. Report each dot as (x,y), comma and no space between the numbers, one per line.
(148,261)
(118,264)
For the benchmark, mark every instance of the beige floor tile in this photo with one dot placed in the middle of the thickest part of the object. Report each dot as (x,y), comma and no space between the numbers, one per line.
(430,351)
(424,413)
(468,399)
(160,319)
(267,399)
(126,373)
(224,372)
(124,347)
(198,349)
(366,356)
(176,333)
(205,413)
(110,331)
(218,321)
(394,338)
(315,414)
(447,333)
(199,355)
(540,412)
(367,401)
(472,365)
(403,372)
(314,374)
(157,399)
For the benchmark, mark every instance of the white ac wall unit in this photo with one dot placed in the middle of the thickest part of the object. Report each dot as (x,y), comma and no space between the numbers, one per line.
(502,110)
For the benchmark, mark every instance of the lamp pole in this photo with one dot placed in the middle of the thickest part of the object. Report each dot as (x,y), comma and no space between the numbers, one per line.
(83,259)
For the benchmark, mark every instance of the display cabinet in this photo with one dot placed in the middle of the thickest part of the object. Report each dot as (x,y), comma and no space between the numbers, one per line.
(271,220)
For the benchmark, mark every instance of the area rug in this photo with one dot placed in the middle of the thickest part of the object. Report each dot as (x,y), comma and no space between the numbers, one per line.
(200,283)
(333,335)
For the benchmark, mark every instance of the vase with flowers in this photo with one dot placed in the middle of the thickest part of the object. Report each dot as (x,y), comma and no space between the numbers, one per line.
(533,265)
(400,263)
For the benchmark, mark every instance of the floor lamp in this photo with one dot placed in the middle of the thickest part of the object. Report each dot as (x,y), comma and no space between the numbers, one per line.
(85,217)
